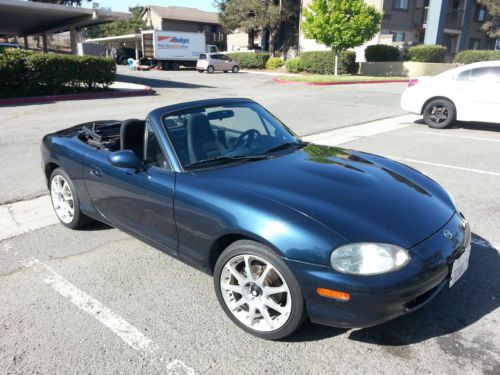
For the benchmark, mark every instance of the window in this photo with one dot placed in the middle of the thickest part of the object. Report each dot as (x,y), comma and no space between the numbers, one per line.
(487,74)
(474,43)
(400,4)
(480,14)
(203,135)
(398,36)
(153,154)
(203,56)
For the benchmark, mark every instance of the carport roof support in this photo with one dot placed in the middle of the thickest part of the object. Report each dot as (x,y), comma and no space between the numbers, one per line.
(29,18)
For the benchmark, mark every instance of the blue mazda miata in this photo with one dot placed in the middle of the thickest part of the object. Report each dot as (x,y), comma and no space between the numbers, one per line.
(289,230)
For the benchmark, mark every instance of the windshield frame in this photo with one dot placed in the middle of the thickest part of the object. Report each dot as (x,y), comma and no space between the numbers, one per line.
(223,104)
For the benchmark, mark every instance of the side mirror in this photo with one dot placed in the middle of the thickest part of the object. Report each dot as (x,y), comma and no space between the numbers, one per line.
(126,159)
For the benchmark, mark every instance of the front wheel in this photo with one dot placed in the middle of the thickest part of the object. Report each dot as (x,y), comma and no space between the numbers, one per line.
(439,113)
(257,291)
(65,200)
(236,69)
(210,69)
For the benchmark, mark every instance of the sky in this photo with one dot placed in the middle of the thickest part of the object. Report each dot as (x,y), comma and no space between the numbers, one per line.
(123,5)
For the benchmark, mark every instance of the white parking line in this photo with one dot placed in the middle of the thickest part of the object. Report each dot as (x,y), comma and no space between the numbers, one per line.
(459,136)
(119,326)
(443,165)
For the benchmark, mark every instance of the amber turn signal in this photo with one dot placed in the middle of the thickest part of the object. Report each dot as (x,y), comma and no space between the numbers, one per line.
(333,294)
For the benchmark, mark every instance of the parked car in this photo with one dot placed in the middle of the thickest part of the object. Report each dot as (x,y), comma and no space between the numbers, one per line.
(4,46)
(122,54)
(288,229)
(212,62)
(466,93)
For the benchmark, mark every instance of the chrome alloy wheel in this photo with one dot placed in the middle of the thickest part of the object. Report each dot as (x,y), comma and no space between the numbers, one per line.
(62,199)
(255,293)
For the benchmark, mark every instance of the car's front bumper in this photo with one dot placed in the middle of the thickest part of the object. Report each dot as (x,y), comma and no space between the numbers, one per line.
(376,299)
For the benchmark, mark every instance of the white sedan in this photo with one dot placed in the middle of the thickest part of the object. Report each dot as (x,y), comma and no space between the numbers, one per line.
(467,93)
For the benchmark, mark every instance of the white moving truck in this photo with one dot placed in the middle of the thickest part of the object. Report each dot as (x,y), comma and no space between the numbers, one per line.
(171,49)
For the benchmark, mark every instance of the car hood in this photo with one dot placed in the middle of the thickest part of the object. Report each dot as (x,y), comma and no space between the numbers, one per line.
(361,197)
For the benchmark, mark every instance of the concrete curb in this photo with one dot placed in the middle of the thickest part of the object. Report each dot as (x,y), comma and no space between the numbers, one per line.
(282,81)
(117,93)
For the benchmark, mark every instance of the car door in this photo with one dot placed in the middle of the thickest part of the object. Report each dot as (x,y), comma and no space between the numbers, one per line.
(219,63)
(141,202)
(478,92)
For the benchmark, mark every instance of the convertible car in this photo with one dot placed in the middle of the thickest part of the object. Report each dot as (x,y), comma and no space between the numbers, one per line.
(289,230)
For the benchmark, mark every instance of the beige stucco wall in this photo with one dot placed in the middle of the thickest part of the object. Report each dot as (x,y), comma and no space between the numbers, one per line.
(403,69)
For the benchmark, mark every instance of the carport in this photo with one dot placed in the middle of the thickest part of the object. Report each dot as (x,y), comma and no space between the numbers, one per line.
(130,40)
(24,18)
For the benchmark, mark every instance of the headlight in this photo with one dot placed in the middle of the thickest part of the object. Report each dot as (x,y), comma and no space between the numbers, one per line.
(368,258)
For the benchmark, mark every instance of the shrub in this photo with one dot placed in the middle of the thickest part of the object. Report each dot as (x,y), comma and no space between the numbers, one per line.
(381,52)
(274,63)
(323,62)
(427,53)
(293,65)
(256,60)
(31,73)
(469,57)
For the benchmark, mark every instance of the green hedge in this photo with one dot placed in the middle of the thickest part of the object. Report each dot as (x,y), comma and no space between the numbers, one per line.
(381,52)
(323,62)
(427,53)
(469,57)
(31,73)
(274,63)
(293,65)
(246,60)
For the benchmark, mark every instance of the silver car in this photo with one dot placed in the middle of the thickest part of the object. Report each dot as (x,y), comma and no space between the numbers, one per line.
(212,62)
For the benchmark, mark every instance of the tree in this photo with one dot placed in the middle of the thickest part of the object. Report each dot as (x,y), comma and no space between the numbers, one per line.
(340,24)
(133,25)
(492,27)
(61,2)
(253,15)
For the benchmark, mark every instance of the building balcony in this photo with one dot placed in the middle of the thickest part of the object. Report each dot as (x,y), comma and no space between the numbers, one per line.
(454,18)
(213,38)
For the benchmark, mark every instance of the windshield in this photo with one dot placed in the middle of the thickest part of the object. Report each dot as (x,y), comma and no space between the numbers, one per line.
(225,133)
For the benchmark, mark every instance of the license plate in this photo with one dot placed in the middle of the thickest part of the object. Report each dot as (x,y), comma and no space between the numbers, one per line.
(460,266)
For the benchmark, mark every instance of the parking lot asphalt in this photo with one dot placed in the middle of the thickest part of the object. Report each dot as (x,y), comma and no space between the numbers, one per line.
(99,301)
(304,109)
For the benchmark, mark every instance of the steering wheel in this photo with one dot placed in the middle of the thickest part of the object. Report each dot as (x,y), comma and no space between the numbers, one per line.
(251,134)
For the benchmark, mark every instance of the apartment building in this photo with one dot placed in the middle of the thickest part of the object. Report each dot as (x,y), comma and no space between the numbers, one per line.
(175,18)
(453,23)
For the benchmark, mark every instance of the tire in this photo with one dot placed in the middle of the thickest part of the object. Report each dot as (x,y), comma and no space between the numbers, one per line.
(210,70)
(123,60)
(225,71)
(174,66)
(239,294)
(65,201)
(235,69)
(439,113)
(200,70)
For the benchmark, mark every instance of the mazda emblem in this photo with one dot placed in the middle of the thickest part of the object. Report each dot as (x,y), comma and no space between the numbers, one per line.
(448,234)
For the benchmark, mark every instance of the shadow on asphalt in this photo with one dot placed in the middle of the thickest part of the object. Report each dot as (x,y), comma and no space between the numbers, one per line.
(473,297)
(158,83)
(484,126)
(95,226)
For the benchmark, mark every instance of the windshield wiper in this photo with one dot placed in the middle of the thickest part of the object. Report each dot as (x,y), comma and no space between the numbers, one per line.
(284,146)
(226,158)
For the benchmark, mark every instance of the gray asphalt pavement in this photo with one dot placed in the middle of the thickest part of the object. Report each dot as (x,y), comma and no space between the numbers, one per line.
(98,301)
(305,109)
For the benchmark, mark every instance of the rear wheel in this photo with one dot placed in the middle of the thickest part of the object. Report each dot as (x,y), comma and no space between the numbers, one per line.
(124,60)
(439,113)
(65,200)
(210,69)
(200,70)
(257,291)
(174,66)
(236,69)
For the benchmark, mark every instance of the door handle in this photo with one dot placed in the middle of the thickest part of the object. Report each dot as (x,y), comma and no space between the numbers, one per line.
(96,172)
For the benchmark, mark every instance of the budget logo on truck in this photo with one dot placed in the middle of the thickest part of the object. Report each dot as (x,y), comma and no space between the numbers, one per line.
(172,42)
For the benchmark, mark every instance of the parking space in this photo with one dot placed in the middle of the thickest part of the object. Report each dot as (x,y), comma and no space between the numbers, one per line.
(99,301)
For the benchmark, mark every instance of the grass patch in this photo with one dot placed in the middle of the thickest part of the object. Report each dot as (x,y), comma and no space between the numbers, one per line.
(341,78)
